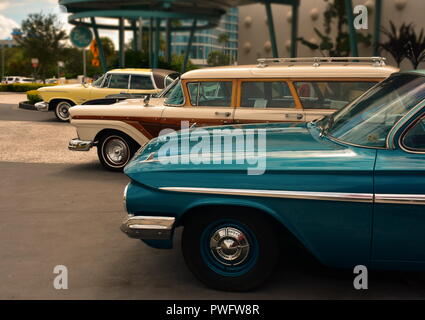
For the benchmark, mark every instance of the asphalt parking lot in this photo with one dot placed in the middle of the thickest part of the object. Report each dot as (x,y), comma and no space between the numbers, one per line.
(62,208)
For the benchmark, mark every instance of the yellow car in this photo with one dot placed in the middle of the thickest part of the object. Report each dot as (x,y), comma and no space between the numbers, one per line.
(119,81)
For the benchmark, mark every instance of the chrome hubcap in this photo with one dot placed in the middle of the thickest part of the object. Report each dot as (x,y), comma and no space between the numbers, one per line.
(116,151)
(229,246)
(64,110)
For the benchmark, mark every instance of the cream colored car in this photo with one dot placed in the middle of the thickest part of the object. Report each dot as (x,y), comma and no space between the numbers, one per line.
(275,90)
(119,81)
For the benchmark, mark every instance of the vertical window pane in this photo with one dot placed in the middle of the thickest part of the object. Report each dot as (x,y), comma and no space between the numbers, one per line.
(210,93)
(266,94)
(415,137)
(141,83)
(119,81)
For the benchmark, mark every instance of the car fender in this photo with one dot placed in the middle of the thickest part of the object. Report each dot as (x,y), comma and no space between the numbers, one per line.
(203,202)
(89,129)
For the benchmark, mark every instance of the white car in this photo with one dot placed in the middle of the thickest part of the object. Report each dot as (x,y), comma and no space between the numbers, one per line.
(16,79)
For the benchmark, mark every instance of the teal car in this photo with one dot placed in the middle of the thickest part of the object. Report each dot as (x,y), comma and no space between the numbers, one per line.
(349,188)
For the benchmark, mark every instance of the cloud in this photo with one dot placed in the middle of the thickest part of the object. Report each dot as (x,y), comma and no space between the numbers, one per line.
(6,27)
(4,4)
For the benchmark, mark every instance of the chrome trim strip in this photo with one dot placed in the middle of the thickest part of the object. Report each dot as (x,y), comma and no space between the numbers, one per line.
(418,199)
(308,195)
(124,198)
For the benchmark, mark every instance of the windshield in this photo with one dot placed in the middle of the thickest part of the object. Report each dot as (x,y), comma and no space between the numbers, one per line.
(368,120)
(176,98)
(99,81)
(167,91)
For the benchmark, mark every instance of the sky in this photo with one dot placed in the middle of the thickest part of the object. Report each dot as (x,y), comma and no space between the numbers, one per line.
(12,12)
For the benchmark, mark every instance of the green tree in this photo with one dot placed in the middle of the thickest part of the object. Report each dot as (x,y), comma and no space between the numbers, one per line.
(223,39)
(16,62)
(217,58)
(397,40)
(43,38)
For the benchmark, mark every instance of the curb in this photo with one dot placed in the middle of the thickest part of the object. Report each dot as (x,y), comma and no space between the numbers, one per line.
(26,105)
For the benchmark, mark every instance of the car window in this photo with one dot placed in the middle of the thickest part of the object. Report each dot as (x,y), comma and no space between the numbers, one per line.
(139,82)
(168,80)
(176,97)
(210,93)
(266,94)
(368,120)
(106,82)
(414,139)
(119,81)
(330,94)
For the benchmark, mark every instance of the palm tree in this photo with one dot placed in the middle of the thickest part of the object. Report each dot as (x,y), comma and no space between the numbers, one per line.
(223,39)
(416,48)
(397,41)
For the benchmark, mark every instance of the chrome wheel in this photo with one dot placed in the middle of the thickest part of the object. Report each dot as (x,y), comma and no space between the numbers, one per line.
(229,246)
(62,110)
(116,151)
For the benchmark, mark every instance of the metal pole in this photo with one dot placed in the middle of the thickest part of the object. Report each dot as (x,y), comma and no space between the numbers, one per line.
(168,42)
(84,65)
(294,30)
(189,46)
(135,36)
(99,45)
(140,34)
(272,33)
(377,33)
(151,42)
(121,43)
(352,31)
(157,39)
(2,62)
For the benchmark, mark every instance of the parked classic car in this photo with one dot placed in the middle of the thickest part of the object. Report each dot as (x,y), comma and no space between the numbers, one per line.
(15,79)
(350,188)
(139,81)
(275,90)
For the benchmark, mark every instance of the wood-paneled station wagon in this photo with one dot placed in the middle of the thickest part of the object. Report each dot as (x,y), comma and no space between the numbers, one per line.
(275,90)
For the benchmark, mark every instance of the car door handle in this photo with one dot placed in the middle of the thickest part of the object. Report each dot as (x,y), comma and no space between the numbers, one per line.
(299,116)
(223,114)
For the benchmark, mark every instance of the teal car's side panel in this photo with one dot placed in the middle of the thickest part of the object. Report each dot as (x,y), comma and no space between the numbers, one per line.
(338,233)
(399,229)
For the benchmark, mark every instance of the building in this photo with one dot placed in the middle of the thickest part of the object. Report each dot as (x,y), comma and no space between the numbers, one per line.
(254,40)
(207,41)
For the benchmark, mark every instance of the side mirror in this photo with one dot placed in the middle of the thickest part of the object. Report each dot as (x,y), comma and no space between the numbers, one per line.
(146,100)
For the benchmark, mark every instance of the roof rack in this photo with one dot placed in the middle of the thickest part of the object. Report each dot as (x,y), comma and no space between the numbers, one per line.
(317,61)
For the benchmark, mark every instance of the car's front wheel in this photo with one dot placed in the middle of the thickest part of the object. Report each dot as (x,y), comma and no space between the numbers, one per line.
(62,110)
(228,250)
(115,150)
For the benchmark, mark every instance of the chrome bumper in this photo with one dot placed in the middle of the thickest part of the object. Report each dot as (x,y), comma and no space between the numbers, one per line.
(42,106)
(80,145)
(148,228)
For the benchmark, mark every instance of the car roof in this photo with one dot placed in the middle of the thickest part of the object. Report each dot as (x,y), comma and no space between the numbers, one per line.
(163,72)
(420,72)
(343,70)
(131,70)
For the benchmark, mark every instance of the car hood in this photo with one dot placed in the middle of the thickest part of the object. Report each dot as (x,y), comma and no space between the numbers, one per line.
(64,87)
(288,147)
